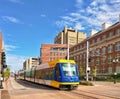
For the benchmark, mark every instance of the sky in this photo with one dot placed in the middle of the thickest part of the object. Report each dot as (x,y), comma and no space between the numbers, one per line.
(26,24)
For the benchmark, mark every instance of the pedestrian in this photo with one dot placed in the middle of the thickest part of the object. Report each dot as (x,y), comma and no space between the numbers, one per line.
(15,76)
(6,82)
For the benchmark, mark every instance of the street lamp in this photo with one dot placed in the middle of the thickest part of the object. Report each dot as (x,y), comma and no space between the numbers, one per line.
(1,79)
(115,77)
(87,61)
(115,61)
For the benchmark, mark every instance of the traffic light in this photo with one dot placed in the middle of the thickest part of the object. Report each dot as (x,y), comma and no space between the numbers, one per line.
(4,66)
(3,60)
(89,60)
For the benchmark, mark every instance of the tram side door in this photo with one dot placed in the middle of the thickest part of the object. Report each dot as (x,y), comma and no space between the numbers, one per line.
(57,73)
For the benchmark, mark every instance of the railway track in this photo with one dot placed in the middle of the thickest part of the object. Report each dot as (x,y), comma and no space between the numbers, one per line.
(90,95)
(81,95)
(78,92)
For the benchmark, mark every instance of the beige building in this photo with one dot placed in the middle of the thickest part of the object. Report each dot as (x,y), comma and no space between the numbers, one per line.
(74,36)
(104,51)
(30,63)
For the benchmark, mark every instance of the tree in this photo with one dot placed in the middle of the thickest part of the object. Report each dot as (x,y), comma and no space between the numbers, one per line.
(81,71)
(95,72)
(7,72)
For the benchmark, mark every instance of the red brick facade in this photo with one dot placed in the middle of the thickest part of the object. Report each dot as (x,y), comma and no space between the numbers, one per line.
(49,52)
(104,47)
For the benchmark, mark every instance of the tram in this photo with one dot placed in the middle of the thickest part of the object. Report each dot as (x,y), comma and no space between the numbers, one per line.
(62,74)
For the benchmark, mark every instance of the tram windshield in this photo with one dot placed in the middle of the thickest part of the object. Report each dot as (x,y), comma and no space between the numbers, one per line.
(69,69)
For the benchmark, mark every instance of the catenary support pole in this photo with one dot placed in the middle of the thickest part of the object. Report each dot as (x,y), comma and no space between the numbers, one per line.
(87,57)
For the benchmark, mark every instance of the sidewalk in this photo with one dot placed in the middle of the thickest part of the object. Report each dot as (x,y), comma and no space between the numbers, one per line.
(102,83)
(4,94)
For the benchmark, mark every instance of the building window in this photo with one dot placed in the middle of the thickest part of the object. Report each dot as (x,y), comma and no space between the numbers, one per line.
(92,53)
(118,57)
(103,37)
(80,63)
(98,39)
(97,52)
(77,47)
(80,46)
(110,48)
(110,60)
(77,57)
(103,60)
(103,50)
(92,62)
(84,56)
(97,62)
(50,59)
(118,31)
(84,63)
(60,54)
(93,41)
(117,69)
(117,47)
(109,70)
(80,56)
(74,58)
(110,34)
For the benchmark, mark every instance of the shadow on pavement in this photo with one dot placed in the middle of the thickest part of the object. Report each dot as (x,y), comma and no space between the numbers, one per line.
(29,84)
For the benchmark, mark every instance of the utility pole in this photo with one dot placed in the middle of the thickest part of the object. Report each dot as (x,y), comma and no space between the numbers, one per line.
(68,50)
(87,60)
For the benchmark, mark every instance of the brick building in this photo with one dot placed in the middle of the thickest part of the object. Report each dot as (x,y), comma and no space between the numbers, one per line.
(49,52)
(104,50)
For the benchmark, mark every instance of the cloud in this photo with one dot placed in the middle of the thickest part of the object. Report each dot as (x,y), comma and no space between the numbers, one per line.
(43,15)
(79,3)
(92,14)
(16,1)
(62,23)
(15,62)
(79,26)
(10,19)
(10,47)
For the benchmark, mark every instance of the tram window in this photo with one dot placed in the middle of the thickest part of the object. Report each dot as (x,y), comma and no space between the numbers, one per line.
(57,71)
(69,69)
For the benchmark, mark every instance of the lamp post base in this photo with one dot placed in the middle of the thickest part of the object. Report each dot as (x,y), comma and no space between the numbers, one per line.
(1,87)
(114,81)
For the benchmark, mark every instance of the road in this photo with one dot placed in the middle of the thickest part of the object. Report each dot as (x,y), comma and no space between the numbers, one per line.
(18,89)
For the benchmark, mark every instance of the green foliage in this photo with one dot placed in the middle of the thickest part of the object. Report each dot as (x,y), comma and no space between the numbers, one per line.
(117,76)
(86,83)
(81,71)
(7,72)
(95,72)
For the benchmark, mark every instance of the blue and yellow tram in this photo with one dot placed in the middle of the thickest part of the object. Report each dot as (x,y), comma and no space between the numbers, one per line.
(60,73)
